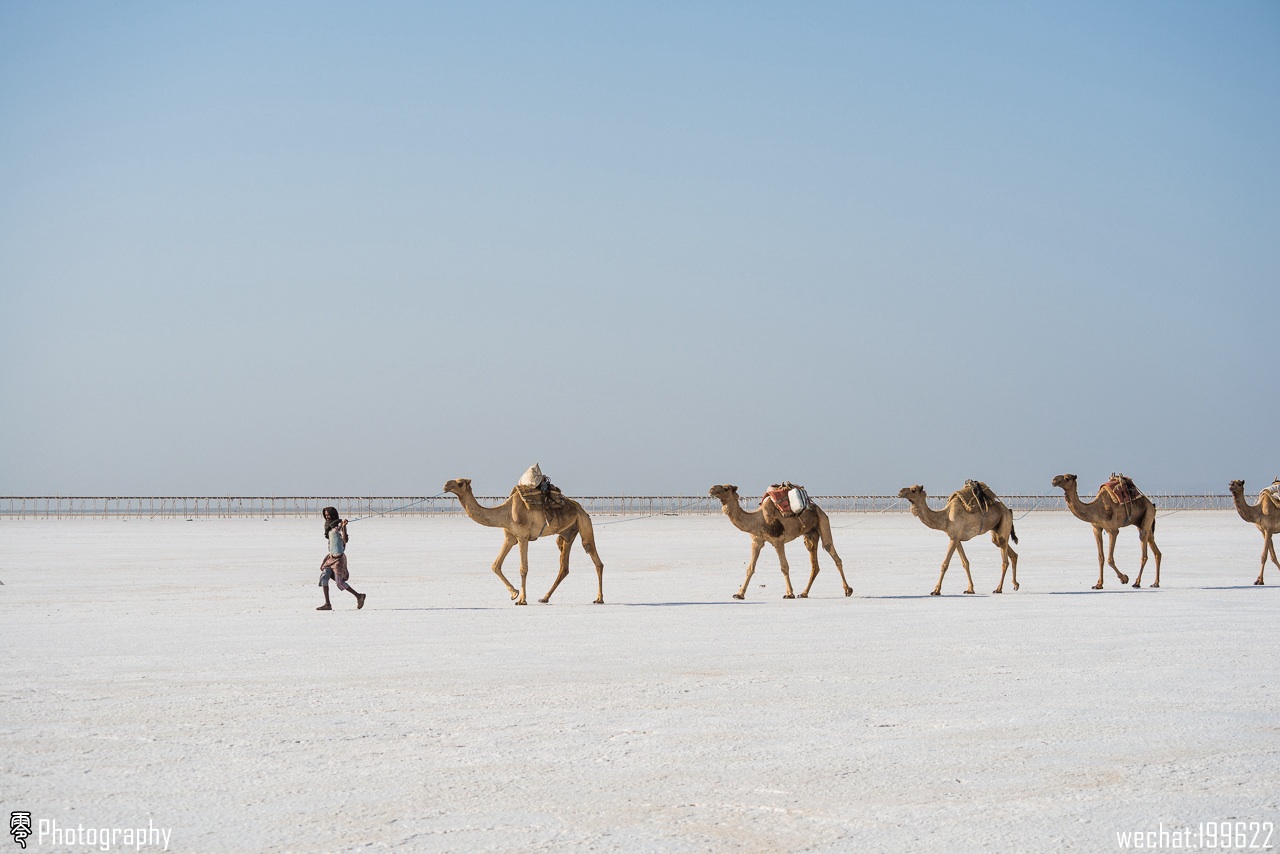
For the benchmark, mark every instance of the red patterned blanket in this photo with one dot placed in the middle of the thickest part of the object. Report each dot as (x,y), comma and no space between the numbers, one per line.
(1121,489)
(782,495)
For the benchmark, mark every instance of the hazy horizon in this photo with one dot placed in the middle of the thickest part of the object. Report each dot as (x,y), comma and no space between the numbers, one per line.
(321,248)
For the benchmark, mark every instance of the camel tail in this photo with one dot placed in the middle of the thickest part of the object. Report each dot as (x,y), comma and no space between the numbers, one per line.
(1013,535)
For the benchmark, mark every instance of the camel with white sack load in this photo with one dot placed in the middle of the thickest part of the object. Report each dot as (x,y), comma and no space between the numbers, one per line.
(535,508)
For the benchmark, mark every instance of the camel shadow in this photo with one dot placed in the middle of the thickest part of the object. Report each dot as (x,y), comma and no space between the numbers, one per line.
(684,604)
(1092,592)
(931,596)
(1243,587)
(445,608)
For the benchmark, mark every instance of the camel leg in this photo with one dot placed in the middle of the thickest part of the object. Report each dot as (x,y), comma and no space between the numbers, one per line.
(524,569)
(844,582)
(824,531)
(811,543)
(1111,557)
(1142,538)
(964,561)
(1004,562)
(1002,545)
(786,570)
(589,546)
(1268,548)
(1097,536)
(1148,538)
(946,561)
(1155,550)
(507,542)
(756,546)
(564,541)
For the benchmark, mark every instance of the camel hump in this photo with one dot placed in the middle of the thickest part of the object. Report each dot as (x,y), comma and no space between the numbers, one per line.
(545,496)
(1271,494)
(1121,488)
(557,510)
(976,495)
(791,499)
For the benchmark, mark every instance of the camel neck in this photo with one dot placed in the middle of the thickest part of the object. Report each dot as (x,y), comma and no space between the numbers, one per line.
(740,518)
(493,517)
(1078,508)
(1248,512)
(935,519)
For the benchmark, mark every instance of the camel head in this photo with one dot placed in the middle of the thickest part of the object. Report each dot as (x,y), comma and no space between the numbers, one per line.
(915,495)
(911,493)
(1063,480)
(726,492)
(458,485)
(1236,487)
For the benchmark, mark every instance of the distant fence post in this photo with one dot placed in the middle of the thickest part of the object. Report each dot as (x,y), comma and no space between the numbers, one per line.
(55,507)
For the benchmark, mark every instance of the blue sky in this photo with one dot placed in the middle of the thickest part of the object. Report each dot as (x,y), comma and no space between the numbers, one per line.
(339,248)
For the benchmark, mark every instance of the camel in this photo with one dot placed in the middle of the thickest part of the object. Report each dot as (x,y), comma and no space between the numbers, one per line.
(1105,515)
(524,524)
(962,524)
(768,525)
(1265,514)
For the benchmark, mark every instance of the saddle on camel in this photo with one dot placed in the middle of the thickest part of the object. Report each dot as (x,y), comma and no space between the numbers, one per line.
(1121,488)
(537,492)
(976,495)
(790,499)
(1272,493)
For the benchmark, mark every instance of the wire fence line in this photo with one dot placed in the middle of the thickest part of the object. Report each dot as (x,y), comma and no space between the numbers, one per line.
(220,507)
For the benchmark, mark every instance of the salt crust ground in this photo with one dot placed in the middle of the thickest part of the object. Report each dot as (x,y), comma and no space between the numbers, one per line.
(177,672)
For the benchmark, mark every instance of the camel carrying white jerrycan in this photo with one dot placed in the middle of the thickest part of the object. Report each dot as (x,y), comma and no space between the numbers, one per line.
(798,499)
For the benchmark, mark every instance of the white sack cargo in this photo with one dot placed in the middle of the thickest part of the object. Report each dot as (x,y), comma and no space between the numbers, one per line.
(797,498)
(533,476)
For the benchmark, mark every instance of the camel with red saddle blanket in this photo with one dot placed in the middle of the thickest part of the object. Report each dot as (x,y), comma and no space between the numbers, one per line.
(1119,504)
(970,511)
(1265,514)
(777,526)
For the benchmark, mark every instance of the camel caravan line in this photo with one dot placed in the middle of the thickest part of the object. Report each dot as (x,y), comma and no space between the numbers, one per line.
(537,508)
